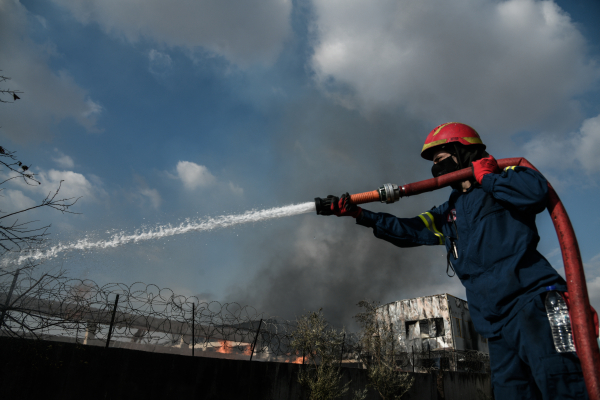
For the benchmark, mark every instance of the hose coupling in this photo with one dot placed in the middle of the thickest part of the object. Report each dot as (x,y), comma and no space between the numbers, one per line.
(389,193)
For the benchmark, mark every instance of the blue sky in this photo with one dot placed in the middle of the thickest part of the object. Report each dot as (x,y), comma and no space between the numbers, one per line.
(155,112)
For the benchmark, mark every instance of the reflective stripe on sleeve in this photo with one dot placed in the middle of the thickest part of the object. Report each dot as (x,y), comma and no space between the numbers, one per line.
(429,222)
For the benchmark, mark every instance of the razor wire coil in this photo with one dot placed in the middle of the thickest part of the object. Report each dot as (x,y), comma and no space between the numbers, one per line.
(147,317)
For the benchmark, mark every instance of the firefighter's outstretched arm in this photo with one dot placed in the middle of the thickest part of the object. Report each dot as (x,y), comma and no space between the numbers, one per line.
(404,232)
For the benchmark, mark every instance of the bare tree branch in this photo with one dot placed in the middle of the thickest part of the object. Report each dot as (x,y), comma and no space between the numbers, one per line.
(15,236)
(12,93)
(60,205)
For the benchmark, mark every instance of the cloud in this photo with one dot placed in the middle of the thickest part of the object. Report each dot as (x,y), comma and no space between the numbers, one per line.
(193,175)
(575,150)
(592,271)
(587,145)
(235,189)
(593,285)
(160,63)
(14,200)
(63,160)
(594,291)
(243,32)
(143,194)
(73,185)
(499,65)
(48,97)
(93,109)
(153,196)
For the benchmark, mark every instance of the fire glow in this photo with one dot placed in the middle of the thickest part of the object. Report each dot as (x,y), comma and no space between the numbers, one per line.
(228,347)
(294,360)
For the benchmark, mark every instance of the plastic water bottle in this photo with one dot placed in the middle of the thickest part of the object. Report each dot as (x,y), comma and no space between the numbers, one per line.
(560,323)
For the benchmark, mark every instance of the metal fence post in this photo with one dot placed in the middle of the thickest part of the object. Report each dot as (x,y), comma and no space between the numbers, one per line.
(255,339)
(7,303)
(112,321)
(193,326)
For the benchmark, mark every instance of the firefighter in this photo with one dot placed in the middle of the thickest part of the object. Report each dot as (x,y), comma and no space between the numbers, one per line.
(488,228)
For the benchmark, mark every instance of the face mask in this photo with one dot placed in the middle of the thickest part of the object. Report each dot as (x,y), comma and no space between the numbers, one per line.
(445,166)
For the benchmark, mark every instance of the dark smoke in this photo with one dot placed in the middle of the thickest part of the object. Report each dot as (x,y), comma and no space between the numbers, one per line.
(328,262)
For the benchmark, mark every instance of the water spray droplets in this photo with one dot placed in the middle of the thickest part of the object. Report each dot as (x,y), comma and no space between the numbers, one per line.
(163,231)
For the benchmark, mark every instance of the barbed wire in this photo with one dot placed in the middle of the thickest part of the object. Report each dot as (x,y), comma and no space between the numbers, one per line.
(53,306)
(147,317)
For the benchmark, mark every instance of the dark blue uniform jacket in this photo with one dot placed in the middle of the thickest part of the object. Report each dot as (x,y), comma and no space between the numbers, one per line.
(493,226)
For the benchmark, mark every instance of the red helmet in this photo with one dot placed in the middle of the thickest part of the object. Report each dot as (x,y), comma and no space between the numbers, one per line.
(447,133)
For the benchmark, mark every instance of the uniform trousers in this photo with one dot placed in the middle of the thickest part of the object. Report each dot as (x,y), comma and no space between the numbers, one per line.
(525,364)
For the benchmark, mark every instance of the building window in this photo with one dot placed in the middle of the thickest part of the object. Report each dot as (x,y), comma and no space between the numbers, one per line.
(425,328)
(439,327)
(412,330)
(425,332)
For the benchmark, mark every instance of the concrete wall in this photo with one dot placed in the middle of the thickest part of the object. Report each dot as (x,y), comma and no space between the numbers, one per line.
(463,332)
(446,318)
(50,370)
(406,316)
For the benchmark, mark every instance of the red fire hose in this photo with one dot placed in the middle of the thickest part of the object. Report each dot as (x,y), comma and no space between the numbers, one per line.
(581,314)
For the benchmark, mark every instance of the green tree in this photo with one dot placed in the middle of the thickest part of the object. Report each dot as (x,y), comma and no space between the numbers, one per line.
(320,346)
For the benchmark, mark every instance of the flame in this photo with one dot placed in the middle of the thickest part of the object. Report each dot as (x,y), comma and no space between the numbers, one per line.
(225,348)
(294,360)
(229,347)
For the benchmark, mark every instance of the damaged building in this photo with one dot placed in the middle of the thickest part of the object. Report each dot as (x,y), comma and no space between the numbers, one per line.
(433,325)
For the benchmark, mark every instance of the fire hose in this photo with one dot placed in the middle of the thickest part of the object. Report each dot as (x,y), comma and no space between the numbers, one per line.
(580,312)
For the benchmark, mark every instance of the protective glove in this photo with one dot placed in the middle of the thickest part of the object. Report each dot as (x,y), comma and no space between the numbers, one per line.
(328,205)
(484,166)
(345,207)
